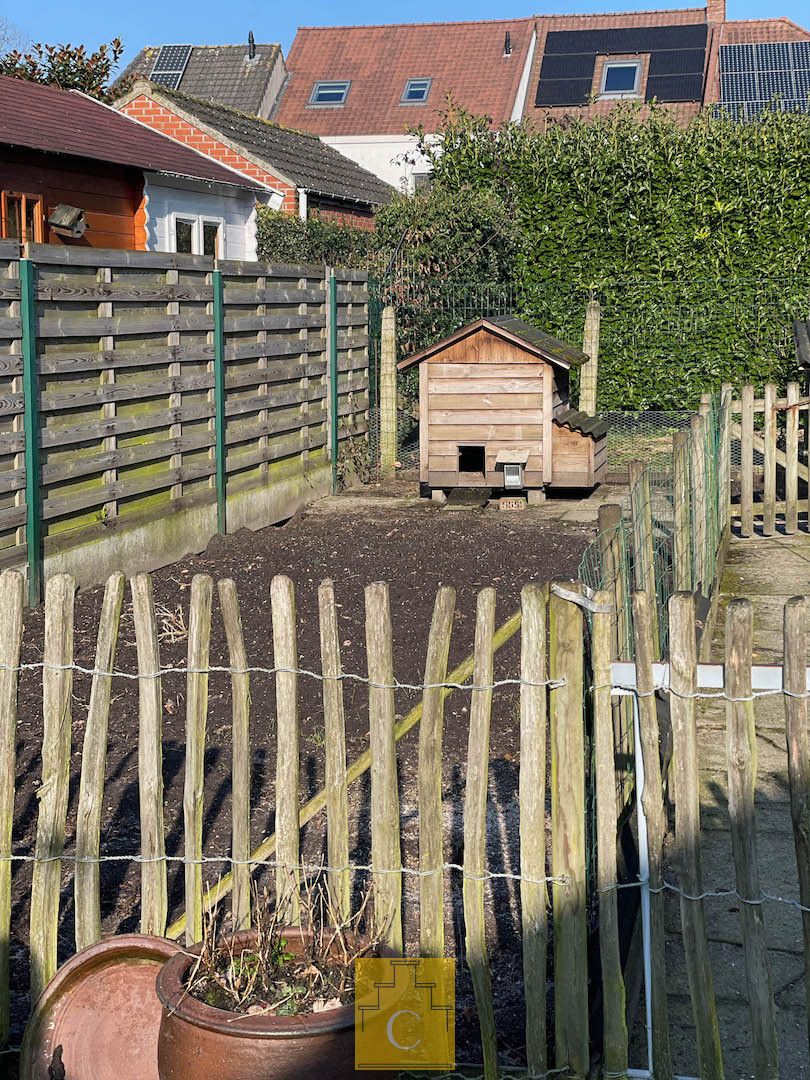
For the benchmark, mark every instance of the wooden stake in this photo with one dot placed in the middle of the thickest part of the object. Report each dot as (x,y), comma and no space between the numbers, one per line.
(769,438)
(57,687)
(199,641)
(682,509)
(386,857)
(337,792)
(12,592)
(613,993)
(285,658)
(475,829)
(154,893)
(741,751)
(643,541)
(686,781)
(747,462)
(700,525)
(86,886)
(792,459)
(431,817)
(566,633)
(532,794)
(241,755)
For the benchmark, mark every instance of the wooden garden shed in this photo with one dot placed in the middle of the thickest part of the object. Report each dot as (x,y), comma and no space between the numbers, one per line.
(494,411)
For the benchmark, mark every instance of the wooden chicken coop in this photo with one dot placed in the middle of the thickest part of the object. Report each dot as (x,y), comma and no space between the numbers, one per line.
(494,411)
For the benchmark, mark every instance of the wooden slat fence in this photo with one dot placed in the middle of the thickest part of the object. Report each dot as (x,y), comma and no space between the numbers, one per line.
(125,365)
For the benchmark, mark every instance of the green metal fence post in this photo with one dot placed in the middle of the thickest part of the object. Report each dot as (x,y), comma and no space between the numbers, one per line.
(333,380)
(33,492)
(219,401)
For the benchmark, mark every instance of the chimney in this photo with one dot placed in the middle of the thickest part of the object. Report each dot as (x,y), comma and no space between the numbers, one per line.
(251,45)
(507,43)
(715,11)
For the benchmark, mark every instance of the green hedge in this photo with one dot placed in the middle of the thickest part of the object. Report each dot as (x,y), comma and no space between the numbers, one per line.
(286,238)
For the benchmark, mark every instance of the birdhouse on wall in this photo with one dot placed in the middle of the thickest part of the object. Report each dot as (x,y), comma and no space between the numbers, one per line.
(494,411)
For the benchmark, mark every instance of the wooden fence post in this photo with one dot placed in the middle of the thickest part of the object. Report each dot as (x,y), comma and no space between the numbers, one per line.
(57,687)
(588,375)
(199,640)
(613,991)
(615,578)
(532,795)
(726,396)
(431,819)
(86,884)
(285,660)
(697,448)
(386,855)
(686,783)
(747,461)
(12,587)
(741,752)
(795,684)
(154,892)
(652,800)
(388,392)
(241,755)
(792,459)
(334,726)
(682,509)
(568,834)
(769,438)
(643,541)
(31,428)
(475,828)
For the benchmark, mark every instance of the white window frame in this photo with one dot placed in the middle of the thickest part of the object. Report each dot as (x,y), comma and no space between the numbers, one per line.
(212,219)
(316,89)
(416,101)
(197,221)
(634,93)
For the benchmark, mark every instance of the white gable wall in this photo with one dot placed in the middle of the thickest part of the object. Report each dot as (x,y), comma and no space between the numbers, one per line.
(394,158)
(234,207)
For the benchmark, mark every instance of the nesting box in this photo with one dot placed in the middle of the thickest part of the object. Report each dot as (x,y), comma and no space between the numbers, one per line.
(494,411)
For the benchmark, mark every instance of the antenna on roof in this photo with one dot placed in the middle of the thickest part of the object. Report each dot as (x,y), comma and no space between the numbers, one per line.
(507,43)
(251,45)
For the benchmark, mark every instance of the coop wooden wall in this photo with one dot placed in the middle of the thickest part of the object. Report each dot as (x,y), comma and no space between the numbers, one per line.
(125,359)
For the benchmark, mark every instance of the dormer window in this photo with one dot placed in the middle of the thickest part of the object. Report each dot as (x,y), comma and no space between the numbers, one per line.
(620,78)
(330,93)
(416,91)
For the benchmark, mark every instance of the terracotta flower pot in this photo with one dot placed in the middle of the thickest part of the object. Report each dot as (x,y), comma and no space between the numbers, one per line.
(198,1041)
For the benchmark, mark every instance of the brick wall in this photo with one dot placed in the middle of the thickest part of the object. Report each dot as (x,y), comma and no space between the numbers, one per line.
(157,116)
(342,213)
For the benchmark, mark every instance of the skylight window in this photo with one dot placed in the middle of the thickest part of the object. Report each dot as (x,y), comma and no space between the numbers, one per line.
(621,78)
(329,93)
(416,91)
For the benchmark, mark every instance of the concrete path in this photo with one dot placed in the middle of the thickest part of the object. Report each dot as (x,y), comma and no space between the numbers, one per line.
(768,571)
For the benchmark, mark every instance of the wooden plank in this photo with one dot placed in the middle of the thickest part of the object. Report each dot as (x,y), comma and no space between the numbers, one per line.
(652,800)
(472,387)
(118,326)
(747,462)
(431,817)
(241,754)
(532,796)
(697,450)
(769,439)
(199,640)
(122,292)
(386,857)
(566,632)
(741,755)
(57,687)
(686,784)
(154,897)
(12,591)
(87,887)
(337,794)
(475,829)
(796,717)
(484,432)
(495,373)
(285,660)
(682,510)
(792,459)
(53,255)
(491,402)
(492,418)
(424,420)
(644,575)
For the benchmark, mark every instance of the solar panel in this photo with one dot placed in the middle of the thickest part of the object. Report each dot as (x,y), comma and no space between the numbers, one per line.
(170,64)
(768,75)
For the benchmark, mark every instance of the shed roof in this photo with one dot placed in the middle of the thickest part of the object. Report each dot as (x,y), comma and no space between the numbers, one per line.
(582,422)
(512,329)
(801,336)
(57,121)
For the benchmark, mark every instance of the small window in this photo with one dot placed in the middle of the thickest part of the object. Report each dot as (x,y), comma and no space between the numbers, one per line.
(471,459)
(329,93)
(211,233)
(416,91)
(184,235)
(21,217)
(621,78)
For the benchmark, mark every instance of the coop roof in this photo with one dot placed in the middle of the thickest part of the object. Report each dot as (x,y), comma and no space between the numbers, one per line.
(511,329)
(582,422)
(801,336)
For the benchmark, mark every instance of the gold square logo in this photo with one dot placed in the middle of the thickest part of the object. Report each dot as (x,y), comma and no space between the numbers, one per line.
(404,1013)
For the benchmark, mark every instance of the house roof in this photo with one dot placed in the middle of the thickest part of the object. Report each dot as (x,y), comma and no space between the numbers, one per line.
(302,158)
(464,59)
(511,329)
(223,73)
(67,122)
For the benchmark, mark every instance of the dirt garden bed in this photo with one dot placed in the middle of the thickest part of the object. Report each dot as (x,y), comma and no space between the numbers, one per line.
(381,535)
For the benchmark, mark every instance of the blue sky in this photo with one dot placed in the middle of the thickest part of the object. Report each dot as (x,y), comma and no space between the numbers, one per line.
(205,22)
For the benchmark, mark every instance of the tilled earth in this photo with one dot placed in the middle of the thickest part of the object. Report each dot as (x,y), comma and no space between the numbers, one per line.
(354,540)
